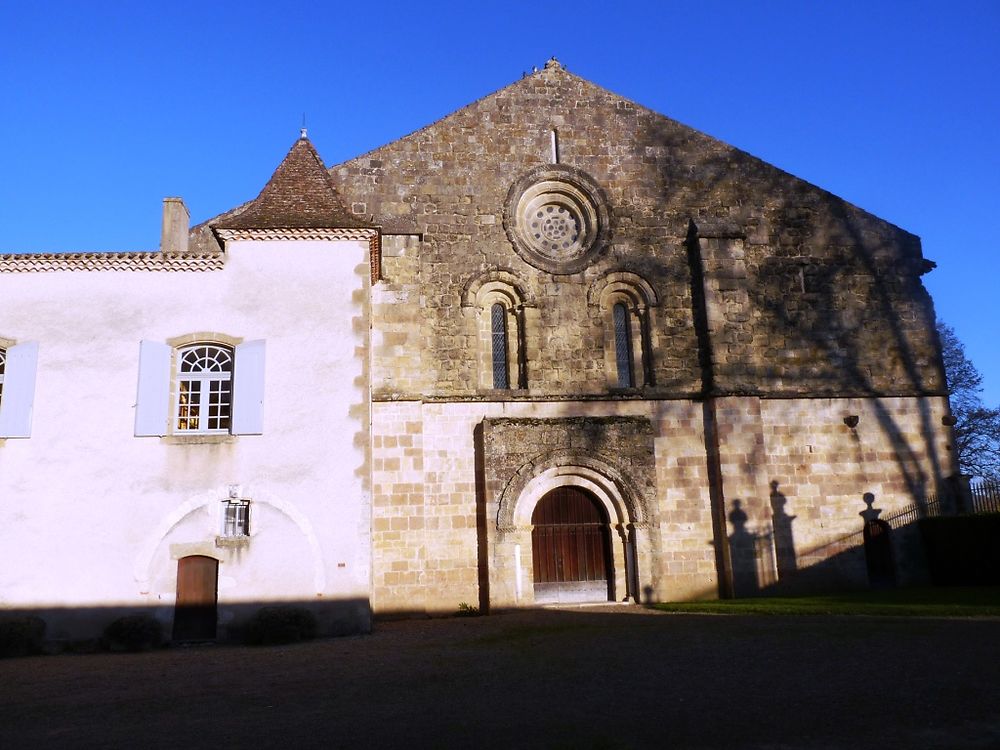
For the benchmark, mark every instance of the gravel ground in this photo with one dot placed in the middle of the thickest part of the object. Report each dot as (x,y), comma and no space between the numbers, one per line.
(614,677)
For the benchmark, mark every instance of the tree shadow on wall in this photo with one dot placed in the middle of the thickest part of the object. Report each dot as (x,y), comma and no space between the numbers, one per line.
(832,307)
(832,294)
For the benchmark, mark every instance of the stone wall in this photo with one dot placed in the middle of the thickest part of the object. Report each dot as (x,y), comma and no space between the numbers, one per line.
(798,473)
(837,319)
(398,331)
(812,296)
(765,310)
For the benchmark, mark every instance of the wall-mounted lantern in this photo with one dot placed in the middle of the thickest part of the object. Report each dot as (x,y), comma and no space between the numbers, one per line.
(851,421)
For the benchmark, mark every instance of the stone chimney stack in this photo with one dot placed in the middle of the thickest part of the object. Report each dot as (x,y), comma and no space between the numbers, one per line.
(176,223)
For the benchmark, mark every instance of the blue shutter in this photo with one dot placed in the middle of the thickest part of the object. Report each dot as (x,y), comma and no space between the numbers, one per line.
(153,397)
(248,389)
(18,399)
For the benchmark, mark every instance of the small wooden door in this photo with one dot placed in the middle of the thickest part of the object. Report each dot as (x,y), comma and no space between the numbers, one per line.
(570,548)
(195,613)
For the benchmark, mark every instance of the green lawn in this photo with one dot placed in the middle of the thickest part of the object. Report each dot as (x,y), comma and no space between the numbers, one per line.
(920,602)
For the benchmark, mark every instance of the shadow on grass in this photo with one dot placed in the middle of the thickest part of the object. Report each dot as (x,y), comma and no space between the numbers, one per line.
(980,601)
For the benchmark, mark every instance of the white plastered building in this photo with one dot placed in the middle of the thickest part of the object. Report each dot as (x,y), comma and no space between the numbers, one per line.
(191,429)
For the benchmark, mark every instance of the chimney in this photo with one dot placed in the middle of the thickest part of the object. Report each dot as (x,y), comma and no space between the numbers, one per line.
(176,223)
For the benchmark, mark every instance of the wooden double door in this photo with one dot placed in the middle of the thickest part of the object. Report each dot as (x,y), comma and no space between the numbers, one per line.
(570,548)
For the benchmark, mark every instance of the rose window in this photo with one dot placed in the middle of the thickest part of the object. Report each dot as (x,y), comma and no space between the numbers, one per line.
(556,219)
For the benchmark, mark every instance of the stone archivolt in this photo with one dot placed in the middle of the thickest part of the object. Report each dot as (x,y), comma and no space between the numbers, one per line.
(564,465)
(504,283)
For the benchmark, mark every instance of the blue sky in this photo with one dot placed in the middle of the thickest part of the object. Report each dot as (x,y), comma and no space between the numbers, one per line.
(105,108)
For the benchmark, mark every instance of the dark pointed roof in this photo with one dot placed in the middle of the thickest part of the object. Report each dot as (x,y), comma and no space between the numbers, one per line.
(299,195)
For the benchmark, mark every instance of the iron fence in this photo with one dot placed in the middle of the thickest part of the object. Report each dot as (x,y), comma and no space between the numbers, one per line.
(985,497)
(912,513)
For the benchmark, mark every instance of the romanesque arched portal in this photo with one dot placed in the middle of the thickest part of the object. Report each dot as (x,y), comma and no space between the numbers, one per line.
(570,548)
(614,518)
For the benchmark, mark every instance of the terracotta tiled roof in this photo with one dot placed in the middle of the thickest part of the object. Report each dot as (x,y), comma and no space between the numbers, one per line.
(299,195)
(141,261)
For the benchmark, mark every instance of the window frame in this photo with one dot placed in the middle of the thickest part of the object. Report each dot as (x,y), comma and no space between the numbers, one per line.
(480,300)
(206,379)
(158,401)
(622,290)
(624,358)
(500,346)
(235,518)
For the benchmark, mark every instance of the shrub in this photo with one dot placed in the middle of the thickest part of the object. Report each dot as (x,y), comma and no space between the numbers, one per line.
(285,624)
(133,633)
(21,635)
(467,610)
(962,550)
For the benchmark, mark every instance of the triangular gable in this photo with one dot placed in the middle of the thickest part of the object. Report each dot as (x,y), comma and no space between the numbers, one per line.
(698,159)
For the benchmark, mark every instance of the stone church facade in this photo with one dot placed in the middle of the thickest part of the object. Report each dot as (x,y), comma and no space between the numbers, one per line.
(552,347)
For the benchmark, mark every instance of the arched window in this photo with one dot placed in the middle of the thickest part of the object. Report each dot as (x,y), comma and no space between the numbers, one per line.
(498,332)
(623,346)
(626,305)
(495,308)
(200,384)
(204,389)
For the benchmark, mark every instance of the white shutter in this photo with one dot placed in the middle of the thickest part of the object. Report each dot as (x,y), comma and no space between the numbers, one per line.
(153,397)
(18,399)
(248,389)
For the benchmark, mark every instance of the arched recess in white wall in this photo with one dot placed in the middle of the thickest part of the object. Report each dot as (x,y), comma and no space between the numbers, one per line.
(207,503)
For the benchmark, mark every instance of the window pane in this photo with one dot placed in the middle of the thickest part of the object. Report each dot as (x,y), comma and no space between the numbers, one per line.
(206,358)
(498,324)
(237,520)
(623,346)
(204,395)
(219,404)
(188,402)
